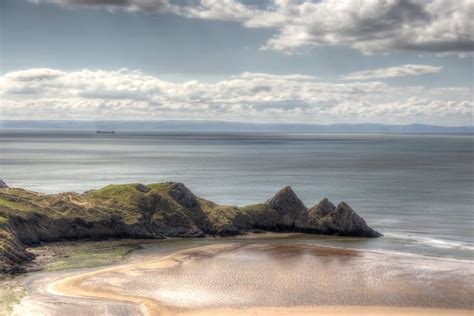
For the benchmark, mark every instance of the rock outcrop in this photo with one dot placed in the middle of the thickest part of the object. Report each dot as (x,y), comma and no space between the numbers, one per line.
(289,207)
(323,208)
(181,194)
(3,184)
(344,221)
(154,211)
(325,218)
(12,251)
(142,188)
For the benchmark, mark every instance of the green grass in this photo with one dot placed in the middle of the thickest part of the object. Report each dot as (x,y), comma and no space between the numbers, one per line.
(259,213)
(22,203)
(221,214)
(3,219)
(257,209)
(123,193)
(76,255)
(16,206)
(161,187)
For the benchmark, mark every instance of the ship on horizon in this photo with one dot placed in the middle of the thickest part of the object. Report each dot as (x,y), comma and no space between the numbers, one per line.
(104,132)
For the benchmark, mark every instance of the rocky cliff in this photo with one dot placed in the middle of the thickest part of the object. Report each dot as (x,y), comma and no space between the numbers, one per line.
(154,211)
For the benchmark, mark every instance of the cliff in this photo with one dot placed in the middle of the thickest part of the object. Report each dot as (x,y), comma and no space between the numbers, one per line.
(153,211)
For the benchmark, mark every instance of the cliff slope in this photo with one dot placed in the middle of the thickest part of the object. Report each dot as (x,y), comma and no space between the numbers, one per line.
(153,211)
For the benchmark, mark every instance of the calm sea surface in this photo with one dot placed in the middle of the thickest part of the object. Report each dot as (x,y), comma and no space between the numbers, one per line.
(417,190)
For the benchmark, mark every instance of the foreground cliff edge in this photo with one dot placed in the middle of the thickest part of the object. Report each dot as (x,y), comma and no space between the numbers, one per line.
(154,211)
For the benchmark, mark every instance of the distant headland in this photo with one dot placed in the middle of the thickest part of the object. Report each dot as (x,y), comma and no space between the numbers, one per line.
(231,127)
(154,211)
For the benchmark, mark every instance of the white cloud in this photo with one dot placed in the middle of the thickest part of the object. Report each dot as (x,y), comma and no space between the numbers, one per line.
(415,108)
(392,72)
(436,26)
(256,75)
(439,26)
(219,10)
(125,94)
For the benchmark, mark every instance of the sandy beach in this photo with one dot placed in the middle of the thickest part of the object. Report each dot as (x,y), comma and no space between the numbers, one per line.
(180,284)
(333,311)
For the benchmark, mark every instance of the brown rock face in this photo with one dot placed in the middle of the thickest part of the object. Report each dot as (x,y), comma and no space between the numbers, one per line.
(325,218)
(12,252)
(344,221)
(312,221)
(142,188)
(183,195)
(288,205)
(323,208)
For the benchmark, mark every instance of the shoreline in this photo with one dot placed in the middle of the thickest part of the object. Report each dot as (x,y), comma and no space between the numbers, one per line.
(72,286)
(45,251)
(76,286)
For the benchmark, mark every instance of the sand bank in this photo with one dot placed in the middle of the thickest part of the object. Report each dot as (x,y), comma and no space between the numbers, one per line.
(265,279)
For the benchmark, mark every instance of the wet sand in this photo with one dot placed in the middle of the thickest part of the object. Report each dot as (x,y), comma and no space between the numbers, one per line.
(280,279)
(332,311)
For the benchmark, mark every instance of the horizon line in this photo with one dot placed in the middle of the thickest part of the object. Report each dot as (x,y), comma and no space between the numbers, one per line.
(228,122)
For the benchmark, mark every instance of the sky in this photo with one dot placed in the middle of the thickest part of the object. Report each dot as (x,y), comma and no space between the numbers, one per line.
(321,62)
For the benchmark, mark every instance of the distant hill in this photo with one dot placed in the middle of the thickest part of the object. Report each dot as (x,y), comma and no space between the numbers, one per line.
(221,126)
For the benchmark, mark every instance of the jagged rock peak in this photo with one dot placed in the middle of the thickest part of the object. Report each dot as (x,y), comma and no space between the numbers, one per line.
(286,200)
(3,184)
(345,208)
(348,222)
(142,188)
(323,208)
(181,194)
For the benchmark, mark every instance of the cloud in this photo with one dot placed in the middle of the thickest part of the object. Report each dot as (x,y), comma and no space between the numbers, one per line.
(415,108)
(218,10)
(439,26)
(127,94)
(373,27)
(33,75)
(256,75)
(392,72)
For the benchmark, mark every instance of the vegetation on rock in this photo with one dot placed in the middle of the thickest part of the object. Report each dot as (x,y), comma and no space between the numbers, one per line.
(153,211)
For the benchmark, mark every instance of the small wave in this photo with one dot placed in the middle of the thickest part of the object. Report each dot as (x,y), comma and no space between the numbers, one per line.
(421,256)
(434,242)
(384,221)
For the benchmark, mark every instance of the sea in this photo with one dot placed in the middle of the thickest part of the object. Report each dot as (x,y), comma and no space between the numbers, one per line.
(417,190)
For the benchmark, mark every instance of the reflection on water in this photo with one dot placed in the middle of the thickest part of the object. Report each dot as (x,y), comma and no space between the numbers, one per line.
(279,274)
